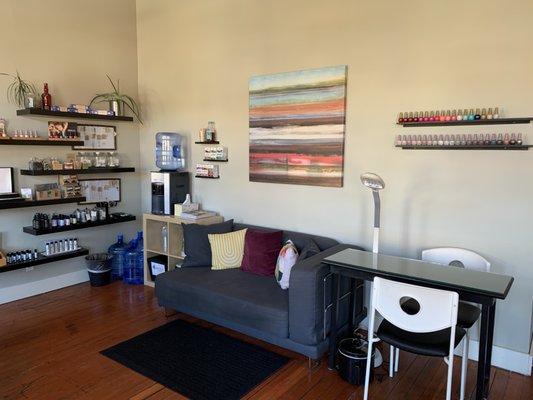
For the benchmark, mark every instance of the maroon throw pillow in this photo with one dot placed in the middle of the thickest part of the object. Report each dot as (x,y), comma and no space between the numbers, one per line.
(261,250)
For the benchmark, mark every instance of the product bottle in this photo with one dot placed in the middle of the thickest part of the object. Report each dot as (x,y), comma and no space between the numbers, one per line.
(164,238)
(46,98)
(496,114)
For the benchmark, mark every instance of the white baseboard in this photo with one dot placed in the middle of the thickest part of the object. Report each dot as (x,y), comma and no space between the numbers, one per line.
(22,291)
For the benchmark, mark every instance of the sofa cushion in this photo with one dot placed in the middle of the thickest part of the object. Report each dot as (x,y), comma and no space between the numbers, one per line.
(309,250)
(196,243)
(227,249)
(261,250)
(232,294)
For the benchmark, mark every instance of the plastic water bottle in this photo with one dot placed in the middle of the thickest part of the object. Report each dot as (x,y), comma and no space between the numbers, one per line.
(117,251)
(169,151)
(133,271)
(164,238)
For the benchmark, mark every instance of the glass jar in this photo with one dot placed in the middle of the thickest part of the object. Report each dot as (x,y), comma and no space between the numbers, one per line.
(31,100)
(100,159)
(112,160)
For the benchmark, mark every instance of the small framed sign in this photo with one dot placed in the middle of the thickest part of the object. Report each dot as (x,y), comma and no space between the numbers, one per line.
(97,137)
(100,190)
(157,265)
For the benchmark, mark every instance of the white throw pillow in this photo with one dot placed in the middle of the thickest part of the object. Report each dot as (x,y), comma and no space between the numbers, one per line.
(286,260)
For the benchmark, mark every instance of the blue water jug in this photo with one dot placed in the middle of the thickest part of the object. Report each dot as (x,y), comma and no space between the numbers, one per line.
(117,251)
(169,151)
(133,264)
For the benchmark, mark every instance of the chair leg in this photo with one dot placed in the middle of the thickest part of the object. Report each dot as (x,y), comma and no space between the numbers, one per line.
(464,366)
(369,355)
(391,361)
(397,360)
(450,365)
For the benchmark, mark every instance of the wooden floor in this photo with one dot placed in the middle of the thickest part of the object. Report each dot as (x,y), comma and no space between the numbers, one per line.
(49,349)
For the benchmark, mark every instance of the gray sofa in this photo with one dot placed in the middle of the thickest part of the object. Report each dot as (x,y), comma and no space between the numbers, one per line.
(295,319)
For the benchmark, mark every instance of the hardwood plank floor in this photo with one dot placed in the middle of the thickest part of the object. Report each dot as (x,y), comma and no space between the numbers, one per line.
(50,344)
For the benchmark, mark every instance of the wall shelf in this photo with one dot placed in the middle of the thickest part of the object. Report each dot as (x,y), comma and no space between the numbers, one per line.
(208,160)
(497,121)
(112,220)
(94,170)
(66,114)
(210,142)
(40,142)
(7,204)
(41,259)
(207,177)
(487,147)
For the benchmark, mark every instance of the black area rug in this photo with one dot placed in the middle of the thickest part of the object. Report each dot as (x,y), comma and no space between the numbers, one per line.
(197,362)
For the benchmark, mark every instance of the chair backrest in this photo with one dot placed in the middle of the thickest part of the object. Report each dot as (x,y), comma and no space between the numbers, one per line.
(438,308)
(456,257)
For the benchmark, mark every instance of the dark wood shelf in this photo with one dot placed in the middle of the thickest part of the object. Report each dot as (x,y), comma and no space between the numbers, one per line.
(77,171)
(207,177)
(41,142)
(41,259)
(497,121)
(6,204)
(66,114)
(487,147)
(208,160)
(211,142)
(112,220)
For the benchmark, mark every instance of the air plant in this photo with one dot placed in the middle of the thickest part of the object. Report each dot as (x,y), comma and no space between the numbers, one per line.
(120,98)
(18,89)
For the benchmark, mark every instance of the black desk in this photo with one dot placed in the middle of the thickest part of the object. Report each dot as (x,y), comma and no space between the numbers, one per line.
(478,287)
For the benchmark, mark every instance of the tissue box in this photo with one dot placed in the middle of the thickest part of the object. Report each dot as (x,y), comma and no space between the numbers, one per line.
(181,208)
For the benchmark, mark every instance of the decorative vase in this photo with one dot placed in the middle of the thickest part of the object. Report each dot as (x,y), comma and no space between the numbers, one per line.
(116,107)
(31,101)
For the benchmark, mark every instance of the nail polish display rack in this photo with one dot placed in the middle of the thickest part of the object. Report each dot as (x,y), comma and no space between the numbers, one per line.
(498,121)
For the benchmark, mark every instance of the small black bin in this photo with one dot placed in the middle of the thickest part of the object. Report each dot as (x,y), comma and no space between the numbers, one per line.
(99,269)
(351,358)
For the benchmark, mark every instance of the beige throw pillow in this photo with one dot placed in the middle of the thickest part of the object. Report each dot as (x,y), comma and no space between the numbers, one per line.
(227,249)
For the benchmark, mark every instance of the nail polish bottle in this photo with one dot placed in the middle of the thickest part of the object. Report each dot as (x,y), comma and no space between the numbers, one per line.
(409,140)
(400,118)
(441,141)
(459,115)
(469,140)
(431,116)
(493,139)
(404,140)
(471,114)
(425,140)
(446,140)
(483,114)
(477,115)
(399,140)
(435,140)
(448,116)
(415,118)
(442,116)
(426,116)
(519,141)
(463,140)
(452,140)
(421,116)
(499,142)
(454,115)
(512,141)
(410,119)
(419,140)
(506,139)
(465,115)
(486,142)
(496,113)
(489,114)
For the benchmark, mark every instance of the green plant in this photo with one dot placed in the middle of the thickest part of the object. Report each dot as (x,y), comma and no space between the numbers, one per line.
(18,89)
(121,98)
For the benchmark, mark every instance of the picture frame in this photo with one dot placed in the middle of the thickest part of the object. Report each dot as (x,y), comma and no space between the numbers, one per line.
(89,134)
(98,190)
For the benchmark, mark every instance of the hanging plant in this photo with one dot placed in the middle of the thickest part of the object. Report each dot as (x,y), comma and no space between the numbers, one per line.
(117,101)
(18,89)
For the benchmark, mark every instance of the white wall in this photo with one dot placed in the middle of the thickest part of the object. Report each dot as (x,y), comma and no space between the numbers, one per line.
(195,60)
(70,45)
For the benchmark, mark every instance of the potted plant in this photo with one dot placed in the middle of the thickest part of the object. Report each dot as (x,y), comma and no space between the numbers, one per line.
(19,91)
(117,101)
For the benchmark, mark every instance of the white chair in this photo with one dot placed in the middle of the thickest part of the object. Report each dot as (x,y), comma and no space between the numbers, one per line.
(467,314)
(430,331)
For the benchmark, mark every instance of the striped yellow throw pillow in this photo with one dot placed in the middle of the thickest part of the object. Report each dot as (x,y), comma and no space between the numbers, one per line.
(227,249)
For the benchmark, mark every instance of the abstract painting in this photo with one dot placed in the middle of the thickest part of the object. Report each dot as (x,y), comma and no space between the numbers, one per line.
(297,122)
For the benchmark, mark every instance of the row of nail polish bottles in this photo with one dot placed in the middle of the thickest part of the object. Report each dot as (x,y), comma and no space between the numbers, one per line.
(449,115)
(507,139)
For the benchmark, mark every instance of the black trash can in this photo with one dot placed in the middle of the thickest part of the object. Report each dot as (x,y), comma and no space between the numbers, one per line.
(351,360)
(98,267)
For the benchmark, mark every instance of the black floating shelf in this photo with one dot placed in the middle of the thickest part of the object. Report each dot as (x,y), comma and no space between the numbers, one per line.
(112,220)
(45,260)
(208,160)
(41,142)
(77,171)
(488,147)
(66,114)
(210,142)
(497,121)
(207,177)
(6,204)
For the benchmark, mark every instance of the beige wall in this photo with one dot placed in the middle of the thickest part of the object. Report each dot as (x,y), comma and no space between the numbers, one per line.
(70,45)
(195,59)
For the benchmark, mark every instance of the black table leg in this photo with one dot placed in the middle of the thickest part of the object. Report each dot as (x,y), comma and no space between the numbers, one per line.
(335,280)
(485,350)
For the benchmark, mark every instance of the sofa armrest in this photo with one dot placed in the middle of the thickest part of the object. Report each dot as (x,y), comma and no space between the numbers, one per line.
(306,297)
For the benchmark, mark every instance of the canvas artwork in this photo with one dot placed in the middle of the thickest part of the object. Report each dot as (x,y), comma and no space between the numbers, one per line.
(297,122)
